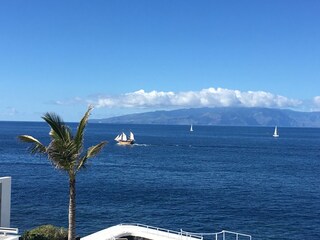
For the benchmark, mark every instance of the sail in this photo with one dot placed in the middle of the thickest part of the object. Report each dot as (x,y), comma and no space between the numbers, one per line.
(191,129)
(131,136)
(123,137)
(275,134)
(117,137)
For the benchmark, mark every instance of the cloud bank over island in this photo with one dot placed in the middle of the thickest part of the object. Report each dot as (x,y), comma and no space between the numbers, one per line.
(209,97)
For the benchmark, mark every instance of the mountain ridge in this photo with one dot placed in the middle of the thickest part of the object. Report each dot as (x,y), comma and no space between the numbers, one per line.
(221,116)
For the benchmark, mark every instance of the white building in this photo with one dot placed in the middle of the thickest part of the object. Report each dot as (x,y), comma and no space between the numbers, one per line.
(5,201)
(6,233)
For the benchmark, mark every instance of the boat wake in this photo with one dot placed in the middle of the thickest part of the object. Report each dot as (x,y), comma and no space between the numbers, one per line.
(141,145)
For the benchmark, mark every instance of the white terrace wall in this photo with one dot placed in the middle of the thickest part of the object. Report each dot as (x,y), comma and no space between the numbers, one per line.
(5,201)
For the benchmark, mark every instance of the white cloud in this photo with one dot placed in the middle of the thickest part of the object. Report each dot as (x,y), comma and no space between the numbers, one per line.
(210,97)
(76,100)
(11,111)
(8,112)
(316,103)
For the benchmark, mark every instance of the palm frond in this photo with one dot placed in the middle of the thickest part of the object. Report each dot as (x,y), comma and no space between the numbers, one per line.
(80,130)
(63,154)
(36,147)
(67,133)
(94,150)
(91,152)
(56,124)
(82,163)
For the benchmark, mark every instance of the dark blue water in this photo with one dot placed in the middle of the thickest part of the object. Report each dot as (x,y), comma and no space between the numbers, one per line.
(215,178)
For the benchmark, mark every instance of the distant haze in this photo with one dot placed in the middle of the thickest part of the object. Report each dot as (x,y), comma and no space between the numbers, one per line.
(222,116)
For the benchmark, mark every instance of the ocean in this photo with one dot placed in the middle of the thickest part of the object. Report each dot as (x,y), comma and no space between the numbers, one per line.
(214,178)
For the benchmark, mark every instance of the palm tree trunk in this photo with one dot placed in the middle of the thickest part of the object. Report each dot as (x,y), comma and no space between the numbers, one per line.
(72,208)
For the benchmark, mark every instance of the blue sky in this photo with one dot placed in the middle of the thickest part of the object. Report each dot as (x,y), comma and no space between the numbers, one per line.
(126,56)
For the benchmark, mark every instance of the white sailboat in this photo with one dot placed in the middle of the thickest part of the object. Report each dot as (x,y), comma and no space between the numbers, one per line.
(191,129)
(122,139)
(275,134)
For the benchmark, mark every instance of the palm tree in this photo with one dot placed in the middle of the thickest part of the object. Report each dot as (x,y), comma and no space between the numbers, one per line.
(65,152)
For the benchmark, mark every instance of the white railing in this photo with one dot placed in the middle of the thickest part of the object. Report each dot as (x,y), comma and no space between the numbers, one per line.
(151,232)
(223,235)
(163,230)
(4,231)
(216,236)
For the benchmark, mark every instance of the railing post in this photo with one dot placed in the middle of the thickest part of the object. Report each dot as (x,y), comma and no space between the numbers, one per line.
(223,235)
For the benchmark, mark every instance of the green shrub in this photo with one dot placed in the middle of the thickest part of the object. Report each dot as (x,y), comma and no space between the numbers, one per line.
(46,232)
